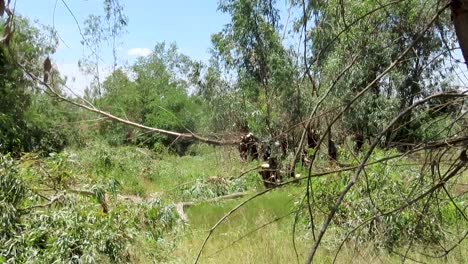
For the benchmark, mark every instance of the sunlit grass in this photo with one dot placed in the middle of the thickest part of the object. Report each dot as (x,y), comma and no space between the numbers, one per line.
(237,240)
(253,236)
(260,232)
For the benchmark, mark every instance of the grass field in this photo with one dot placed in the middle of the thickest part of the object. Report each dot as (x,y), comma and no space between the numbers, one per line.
(262,233)
(259,232)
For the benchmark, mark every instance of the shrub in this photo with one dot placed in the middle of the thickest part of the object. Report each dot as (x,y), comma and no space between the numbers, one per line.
(71,226)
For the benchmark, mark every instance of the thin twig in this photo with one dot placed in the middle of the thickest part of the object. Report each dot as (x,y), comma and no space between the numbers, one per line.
(351,183)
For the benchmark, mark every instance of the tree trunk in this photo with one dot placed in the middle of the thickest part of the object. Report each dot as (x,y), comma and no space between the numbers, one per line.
(460,21)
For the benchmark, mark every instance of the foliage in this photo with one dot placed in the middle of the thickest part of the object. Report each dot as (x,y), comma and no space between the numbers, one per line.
(14,101)
(375,41)
(382,189)
(70,227)
(22,127)
(12,194)
(213,187)
(158,97)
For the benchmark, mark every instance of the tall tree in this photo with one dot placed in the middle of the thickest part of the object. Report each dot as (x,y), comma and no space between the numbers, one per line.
(376,35)
(250,46)
(19,130)
(460,20)
(99,31)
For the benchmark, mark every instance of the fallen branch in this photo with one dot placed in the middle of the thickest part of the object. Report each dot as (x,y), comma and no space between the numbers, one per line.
(92,108)
(180,206)
(51,202)
(245,172)
(358,171)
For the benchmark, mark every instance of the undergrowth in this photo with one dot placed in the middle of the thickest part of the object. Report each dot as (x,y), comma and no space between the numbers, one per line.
(104,204)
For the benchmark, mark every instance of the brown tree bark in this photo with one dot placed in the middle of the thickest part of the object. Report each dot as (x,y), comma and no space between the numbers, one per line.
(460,21)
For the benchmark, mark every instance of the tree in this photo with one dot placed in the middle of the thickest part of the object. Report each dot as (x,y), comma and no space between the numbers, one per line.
(373,36)
(460,18)
(20,128)
(14,101)
(251,47)
(158,97)
(101,30)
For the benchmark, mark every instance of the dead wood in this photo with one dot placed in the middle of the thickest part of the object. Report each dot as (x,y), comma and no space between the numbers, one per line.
(182,205)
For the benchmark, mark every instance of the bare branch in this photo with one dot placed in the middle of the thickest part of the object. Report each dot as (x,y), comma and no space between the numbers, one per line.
(181,206)
(51,202)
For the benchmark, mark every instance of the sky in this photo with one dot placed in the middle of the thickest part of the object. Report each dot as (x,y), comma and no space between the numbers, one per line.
(189,23)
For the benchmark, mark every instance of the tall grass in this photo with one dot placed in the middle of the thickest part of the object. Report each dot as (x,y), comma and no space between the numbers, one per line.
(260,232)
(142,172)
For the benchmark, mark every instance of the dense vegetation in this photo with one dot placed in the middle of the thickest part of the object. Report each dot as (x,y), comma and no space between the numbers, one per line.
(363,126)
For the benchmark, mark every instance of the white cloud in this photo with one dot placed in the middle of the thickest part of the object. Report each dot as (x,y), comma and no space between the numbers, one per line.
(139,52)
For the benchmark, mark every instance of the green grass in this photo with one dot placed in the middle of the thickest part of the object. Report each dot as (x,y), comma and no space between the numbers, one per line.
(255,235)
(260,232)
(142,173)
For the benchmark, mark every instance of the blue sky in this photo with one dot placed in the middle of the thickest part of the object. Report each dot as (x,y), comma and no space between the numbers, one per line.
(189,23)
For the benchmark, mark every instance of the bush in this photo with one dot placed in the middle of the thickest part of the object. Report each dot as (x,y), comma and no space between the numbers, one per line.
(71,226)
(365,215)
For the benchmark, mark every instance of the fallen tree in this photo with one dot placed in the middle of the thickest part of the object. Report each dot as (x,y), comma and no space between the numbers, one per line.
(90,107)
